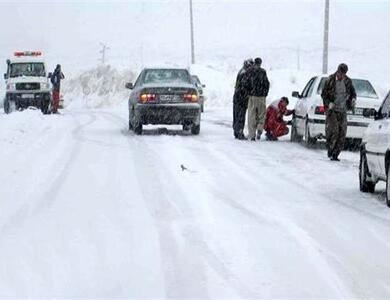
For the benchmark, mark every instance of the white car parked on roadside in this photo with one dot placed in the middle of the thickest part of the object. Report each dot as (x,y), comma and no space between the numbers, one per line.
(309,118)
(375,151)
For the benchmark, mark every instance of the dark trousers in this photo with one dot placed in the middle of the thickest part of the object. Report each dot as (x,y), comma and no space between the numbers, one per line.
(239,113)
(336,131)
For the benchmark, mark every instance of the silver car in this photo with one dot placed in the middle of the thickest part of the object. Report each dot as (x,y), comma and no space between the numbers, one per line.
(164,96)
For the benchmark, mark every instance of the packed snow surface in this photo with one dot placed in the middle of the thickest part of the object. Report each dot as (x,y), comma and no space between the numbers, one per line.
(88,209)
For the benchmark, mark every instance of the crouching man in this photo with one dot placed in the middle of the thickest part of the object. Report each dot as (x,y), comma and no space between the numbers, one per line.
(275,126)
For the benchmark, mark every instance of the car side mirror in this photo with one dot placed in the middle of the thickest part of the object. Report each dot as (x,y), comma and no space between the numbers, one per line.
(370,113)
(296,95)
(49,75)
(203,85)
(129,85)
(5,76)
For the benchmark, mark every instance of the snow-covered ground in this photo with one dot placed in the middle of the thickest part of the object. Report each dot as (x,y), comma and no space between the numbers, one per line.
(91,210)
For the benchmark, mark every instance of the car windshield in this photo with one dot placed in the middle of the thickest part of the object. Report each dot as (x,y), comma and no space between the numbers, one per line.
(195,79)
(166,76)
(27,69)
(363,88)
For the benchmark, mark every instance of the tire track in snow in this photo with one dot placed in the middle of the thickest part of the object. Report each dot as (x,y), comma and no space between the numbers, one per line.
(49,195)
(312,247)
(193,235)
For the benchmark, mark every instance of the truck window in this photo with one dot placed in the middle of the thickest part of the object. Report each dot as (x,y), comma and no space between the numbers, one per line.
(27,69)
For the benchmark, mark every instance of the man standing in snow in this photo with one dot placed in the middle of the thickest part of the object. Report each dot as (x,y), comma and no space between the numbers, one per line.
(55,79)
(339,96)
(240,99)
(257,100)
(275,126)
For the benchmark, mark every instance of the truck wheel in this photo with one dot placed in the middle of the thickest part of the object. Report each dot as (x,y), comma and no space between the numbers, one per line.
(295,137)
(388,188)
(9,106)
(46,108)
(365,185)
(195,129)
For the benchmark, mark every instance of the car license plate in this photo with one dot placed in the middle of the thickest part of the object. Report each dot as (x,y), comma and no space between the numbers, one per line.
(27,96)
(358,111)
(168,98)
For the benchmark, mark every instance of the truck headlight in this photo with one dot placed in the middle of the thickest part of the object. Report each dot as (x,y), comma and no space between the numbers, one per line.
(45,86)
(11,87)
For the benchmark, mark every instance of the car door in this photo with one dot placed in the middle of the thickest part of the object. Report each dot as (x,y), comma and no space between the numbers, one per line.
(303,105)
(382,138)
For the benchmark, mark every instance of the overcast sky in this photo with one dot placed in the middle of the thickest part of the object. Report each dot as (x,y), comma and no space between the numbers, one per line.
(158,31)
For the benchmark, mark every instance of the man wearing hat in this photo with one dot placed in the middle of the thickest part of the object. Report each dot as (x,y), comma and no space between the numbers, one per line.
(257,101)
(339,96)
(240,99)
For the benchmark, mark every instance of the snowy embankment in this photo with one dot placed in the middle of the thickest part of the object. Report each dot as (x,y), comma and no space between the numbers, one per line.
(104,86)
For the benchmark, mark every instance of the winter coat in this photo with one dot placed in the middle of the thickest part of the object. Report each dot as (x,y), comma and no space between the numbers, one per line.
(274,123)
(243,84)
(56,78)
(259,82)
(329,91)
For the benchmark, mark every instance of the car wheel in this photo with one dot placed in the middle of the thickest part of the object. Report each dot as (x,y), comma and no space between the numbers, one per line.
(365,185)
(295,137)
(388,188)
(309,141)
(195,129)
(138,128)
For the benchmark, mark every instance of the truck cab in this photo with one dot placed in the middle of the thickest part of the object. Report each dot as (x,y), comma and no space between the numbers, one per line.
(27,83)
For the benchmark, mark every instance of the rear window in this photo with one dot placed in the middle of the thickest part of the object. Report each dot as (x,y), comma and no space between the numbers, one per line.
(166,76)
(363,88)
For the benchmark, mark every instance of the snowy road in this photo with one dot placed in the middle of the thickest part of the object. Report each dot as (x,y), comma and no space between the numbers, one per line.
(87,209)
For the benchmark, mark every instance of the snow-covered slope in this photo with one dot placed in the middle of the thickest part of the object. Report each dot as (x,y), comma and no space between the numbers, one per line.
(97,87)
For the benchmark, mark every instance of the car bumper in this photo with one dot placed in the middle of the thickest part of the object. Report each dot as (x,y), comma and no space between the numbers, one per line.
(168,113)
(355,130)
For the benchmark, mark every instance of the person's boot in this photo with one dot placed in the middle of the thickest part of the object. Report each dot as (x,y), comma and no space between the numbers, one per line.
(334,158)
(258,135)
(241,137)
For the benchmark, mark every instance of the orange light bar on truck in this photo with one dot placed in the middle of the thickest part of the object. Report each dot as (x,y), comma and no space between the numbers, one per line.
(27,53)
(191,97)
(147,97)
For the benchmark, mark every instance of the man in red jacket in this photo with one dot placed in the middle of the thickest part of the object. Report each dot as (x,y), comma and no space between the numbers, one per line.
(275,126)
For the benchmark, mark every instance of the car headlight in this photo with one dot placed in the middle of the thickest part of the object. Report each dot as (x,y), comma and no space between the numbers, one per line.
(11,87)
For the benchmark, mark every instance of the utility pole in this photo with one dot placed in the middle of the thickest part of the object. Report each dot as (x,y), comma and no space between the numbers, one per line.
(103,52)
(326,39)
(192,35)
(299,57)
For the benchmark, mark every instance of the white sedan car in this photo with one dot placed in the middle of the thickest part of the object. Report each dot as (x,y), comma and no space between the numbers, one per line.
(309,118)
(375,151)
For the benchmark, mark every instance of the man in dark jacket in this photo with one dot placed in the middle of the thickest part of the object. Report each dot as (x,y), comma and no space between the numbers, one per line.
(55,79)
(257,100)
(339,96)
(240,99)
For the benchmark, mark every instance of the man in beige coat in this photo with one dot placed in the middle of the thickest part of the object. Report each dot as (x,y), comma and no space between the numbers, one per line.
(257,101)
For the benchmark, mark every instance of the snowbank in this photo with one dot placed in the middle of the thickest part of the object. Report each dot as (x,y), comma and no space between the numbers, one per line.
(103,86)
